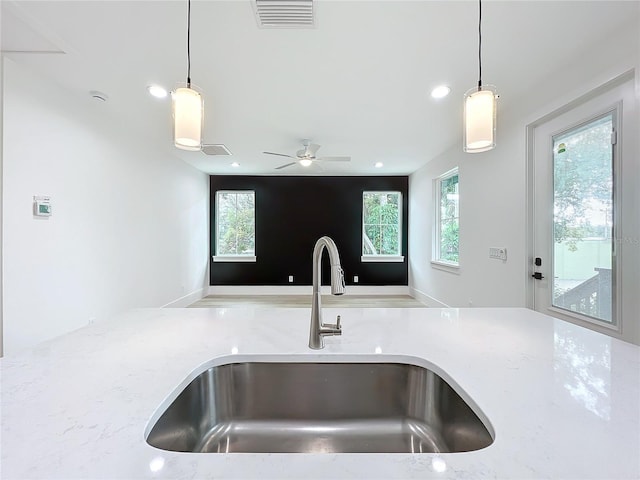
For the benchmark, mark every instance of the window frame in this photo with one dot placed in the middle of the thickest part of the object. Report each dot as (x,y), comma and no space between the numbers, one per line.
(436,260)
(233,257)
(383,257)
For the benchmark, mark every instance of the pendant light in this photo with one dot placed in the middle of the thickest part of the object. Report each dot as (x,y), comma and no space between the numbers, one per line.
(480,108)
(187,106)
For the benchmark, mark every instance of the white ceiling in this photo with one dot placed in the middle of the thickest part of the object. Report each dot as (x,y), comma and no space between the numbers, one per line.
(358,83)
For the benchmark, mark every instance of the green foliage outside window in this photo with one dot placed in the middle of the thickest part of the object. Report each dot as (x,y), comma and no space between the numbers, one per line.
(583,183)
(235,223)
(449,221)
(381,223)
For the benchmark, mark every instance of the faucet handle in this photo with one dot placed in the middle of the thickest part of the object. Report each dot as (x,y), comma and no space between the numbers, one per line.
(336,327)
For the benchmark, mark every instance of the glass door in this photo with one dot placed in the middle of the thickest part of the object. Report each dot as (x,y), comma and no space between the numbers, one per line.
(583,254)
(584,260)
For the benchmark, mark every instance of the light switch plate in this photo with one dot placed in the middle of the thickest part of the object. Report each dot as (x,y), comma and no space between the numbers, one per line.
(498,252)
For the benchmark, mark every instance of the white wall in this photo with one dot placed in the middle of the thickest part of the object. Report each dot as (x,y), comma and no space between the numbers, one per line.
(129,226)
(493,187)
(491,215)
(1,222)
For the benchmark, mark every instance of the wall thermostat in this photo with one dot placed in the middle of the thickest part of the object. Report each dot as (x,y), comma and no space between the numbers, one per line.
(42,206)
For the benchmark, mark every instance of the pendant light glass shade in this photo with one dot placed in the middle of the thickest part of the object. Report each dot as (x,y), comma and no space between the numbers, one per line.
(188,115)
(480,119)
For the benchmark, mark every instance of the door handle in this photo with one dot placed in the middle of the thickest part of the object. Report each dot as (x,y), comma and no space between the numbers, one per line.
(537,262)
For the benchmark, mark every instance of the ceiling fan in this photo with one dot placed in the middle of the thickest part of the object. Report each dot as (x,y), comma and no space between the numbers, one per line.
(307,156)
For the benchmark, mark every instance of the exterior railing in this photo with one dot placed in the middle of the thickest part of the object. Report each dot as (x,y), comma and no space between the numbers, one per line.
(591,297)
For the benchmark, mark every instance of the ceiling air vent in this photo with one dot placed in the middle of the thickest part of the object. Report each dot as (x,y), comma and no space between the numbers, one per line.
(284,13)
(212,149)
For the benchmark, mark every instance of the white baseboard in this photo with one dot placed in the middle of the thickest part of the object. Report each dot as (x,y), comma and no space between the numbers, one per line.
(304,290)
(186,300)
(426,299)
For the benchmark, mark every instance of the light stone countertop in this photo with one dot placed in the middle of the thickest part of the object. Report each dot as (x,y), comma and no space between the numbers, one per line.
(563,401)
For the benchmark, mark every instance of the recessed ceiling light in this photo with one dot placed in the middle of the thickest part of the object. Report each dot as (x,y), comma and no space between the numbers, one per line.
(440,92)
(157,91)
(379,165)
(235,164)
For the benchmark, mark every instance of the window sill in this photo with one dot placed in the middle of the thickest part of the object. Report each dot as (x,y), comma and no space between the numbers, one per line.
(234,258)
(382,258)
(445,266)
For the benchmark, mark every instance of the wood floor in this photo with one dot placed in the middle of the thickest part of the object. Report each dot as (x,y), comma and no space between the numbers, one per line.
(304,301)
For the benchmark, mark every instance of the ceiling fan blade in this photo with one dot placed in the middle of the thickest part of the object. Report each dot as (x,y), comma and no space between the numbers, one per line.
(312,148)
(279,154)
(334,159)
(286,165)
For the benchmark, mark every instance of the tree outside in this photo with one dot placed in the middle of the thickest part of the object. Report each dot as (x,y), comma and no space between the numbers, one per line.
(380,216)
(449,219)
(583,218)
(583,184)
(236,223)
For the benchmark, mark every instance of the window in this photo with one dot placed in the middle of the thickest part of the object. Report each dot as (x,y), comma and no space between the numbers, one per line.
(235,226)
(447,222)
(381,227)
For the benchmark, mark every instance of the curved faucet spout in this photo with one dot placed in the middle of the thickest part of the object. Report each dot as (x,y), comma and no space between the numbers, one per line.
(337,275)
(318,329)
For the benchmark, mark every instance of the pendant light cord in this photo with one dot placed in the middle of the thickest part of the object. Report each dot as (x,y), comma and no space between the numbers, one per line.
(188,43)
(479,45)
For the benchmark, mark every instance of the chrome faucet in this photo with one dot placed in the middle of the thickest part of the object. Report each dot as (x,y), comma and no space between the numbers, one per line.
(318,329)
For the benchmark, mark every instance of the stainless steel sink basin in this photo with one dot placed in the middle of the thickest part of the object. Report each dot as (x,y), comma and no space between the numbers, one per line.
(318,407)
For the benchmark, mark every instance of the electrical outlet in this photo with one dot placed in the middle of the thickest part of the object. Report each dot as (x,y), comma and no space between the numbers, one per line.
(290,278)
(355,279)
(498,252)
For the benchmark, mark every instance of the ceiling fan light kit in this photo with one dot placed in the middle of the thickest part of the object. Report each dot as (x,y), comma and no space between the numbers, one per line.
(187,106)
(480,109)
(307,156)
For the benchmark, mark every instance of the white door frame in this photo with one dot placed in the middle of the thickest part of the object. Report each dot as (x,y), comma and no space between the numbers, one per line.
(630,332)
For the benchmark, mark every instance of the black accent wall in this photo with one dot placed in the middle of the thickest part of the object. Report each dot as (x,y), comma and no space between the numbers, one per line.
(292,213)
